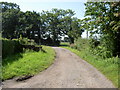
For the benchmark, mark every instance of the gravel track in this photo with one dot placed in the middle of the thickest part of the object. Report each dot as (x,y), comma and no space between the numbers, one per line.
(68,71)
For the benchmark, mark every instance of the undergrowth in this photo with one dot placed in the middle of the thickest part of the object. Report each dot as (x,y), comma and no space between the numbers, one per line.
(27,63)
(107,66)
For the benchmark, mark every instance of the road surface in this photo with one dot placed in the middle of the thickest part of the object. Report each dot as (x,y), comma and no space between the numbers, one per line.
(68,71)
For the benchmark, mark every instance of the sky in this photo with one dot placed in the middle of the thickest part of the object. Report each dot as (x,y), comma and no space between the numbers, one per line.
(39,5)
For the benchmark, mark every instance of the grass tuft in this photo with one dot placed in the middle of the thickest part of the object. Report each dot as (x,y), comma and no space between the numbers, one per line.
(108,66)
(28,63)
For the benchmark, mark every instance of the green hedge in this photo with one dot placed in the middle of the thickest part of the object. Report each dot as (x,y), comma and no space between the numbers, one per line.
(10,47)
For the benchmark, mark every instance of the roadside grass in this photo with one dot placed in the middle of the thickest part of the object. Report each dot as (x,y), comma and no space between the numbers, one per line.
(28,63)
(109,66)
(64,44)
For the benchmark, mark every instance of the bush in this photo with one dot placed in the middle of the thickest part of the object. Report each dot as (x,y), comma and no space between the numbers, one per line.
(81,43)
(10,47)
(26,41)
(32,47)
(103,47)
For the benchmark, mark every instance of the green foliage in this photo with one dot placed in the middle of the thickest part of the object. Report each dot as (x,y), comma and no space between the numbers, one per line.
(94,46)
(64,44)
(105,24)
(38,26)
(103,47)
(59,22)
(108,66)
(9,19)
(10,47)
(81,44)
(23,40)
(97,54)
(26,41)
(8,6)
(29,44)
(28,63)
(74,29)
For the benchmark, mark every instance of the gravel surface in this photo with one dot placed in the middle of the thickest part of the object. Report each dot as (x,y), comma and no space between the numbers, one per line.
(68,71)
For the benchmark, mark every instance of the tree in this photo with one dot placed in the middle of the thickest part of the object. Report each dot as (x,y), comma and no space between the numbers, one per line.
(55,23)
(32,24)
(49,25)
(105,18)
(9,19)
(76,30)
(8,6)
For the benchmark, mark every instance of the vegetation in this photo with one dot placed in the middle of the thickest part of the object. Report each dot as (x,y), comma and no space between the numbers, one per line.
(101,48)
(104,27)
(47,25)
(10,47)
(27,63)
(108,66)
(104,43)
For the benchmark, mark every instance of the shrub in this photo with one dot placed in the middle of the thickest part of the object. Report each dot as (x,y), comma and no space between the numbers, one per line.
(10,47)
(26,41)
(32,47)
(81,43)
(73,46)
(102,47)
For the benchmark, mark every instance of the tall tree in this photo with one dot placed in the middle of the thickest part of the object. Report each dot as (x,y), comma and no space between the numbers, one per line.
(105,21)
(55,22)
(76,30)
(9,19)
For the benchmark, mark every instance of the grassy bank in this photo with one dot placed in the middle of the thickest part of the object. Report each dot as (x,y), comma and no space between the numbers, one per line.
(109,66)
(28,63)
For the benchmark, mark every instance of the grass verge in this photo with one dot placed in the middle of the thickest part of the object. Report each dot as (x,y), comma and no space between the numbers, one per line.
(109,66)
(28,63)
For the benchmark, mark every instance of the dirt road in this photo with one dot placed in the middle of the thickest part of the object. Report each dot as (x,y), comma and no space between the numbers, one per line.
(68,71)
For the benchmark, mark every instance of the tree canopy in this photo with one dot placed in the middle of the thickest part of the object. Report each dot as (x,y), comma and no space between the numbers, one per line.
(105,23)
(48,24)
